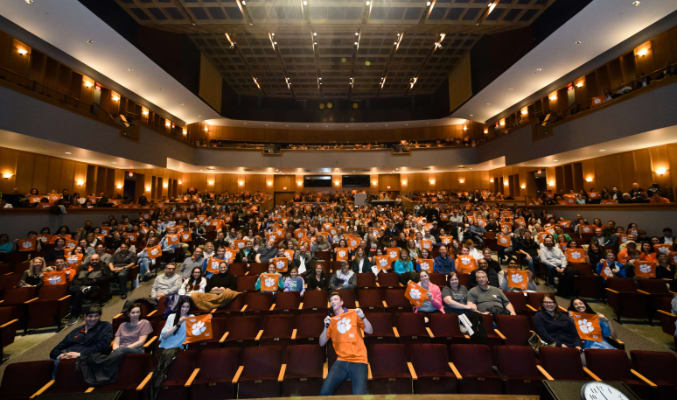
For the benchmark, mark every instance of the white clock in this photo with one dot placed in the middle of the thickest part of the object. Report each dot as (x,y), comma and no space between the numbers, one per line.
(601,391)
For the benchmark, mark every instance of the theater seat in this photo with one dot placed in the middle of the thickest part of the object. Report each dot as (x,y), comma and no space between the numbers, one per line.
(444,328)
(562,363)
(410,327)
(18,384)
(517,364)
(474,363)
(395,300)
(626,302)
(48,308)
(613,365)
(515,328)
(370,299)
(660,367)
(277,328)
(258,374)
(314,300)
(214,378)
(287,302)
(433,371)
(389,370)
(303,375)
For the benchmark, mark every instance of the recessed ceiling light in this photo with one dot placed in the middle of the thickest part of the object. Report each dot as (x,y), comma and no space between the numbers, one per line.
(90,41)
(488,103)
(29,2)
(472,115)
(68,152)
(555,160)
(539,69)
(635,3)
(579,42)
(602,150)
(114,162)
(130,69)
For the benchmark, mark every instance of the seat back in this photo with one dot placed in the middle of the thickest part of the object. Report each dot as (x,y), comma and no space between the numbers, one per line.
(348,297)
(366,280)
(261,363)
(659,366)
(622,284)
(382,322)
(18,384)
(654,286)
(445,325)
(515,328)
(246,283)
(278,326)
(610,365)
(388,360)
(287,301)
(68,379)
(388,279)
(309,325)
(52,292)
(472,360)
(410,324)
(182,366)
(18,295)
(562,363)
(516,361)
(258,301)
(315,300)
(237,269)
(132,369)
(430,359)
(243,327)
(218,364)
(370,298)
(535,299)
(438,279)
(304,361)
(395,298)
(256,269)
(519,301)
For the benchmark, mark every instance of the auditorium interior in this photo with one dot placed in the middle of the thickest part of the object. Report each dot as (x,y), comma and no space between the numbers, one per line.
(257,158)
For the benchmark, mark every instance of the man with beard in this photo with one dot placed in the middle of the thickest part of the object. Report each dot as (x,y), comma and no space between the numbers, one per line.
(119,265)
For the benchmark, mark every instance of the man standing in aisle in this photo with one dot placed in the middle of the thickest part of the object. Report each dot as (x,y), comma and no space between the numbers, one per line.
(342,328)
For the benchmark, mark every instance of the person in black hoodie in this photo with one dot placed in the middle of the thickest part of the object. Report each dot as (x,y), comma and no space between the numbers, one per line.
(317,279)
(223,280)
(492,275)
(93,337)
(554,326)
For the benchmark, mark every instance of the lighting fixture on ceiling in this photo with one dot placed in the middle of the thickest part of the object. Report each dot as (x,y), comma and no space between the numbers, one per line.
(383,81)
(288,82)
(636,3)
(397,43)
(555,160)
(256,82)
(232,43)
(539,69)
(579,42)
(90,41)
(351,81)
(412,81)
(602,150)
(305,2)
(29,2)
(67,153)
(491,6)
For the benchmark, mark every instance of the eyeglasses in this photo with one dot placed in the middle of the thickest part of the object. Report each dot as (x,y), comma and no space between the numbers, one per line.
(548,302)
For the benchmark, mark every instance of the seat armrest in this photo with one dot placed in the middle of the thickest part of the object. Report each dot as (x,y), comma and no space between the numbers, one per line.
(396,332)
(283,369)
(369,375)
(667,314)
(453,369)
(238,373)
(43,389)
(224,337)
(66,297)
(10,322)
(325,369)
(430,332)
(412,371)
(258,335)
(90,389)
(614,291)
(144,382)
(149,342)
(591,374)
(192,377)
(531,308)
(642,378)
(618,343)
(244,307)
(152,313)
(544,372)
(293,333)
(500,334)
(643,292)
(300,306)
(34,299)
(272,307)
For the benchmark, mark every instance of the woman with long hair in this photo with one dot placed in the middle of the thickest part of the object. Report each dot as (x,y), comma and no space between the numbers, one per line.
(194,283)
(554,326)
(32,277)
(581,306)
(171,342)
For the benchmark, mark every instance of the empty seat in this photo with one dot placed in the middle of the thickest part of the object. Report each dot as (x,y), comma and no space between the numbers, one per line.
(390,373)
(178,373)
(314,300)
(474,362)
(260,371)
(238,269)
(519,301)
(611,365)
(562,363)
(241,330)
(370,299)
(394,298)
(445,328)
(308,327)
(287,301)
(256,269)
(410,327)
(214,380)
(48,308)
(626,302)
(438,279)
(388,279)
(382,323)
(433,369)
(246,283)
(18,384)
(348,298)
(303,374)
(366,280)
(515,328)
(658,366)
(133,369)
(518,367)
(257,301)
(277,327)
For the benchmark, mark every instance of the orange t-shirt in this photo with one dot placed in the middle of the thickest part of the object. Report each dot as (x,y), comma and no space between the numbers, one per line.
(345,336)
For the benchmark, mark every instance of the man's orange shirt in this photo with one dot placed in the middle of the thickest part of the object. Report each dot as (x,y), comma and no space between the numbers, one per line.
(345,336)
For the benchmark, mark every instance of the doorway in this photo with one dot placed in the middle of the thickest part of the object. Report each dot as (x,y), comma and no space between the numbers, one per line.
(540,181)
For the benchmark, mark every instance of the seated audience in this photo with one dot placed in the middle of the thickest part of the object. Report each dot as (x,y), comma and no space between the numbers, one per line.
(581,306)
(33,276)
(554,326)
(343,278)
(93,337)
(122,260)
(294,282)
(317,279)
(433,302)
(221,281)
(489,299)
(270,287)
(195,283)
(167,284)
(455,296)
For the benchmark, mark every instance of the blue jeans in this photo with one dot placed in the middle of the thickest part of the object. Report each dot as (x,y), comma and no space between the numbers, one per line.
(144,266)
(342,370)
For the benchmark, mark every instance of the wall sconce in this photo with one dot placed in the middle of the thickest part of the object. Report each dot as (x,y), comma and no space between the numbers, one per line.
(404,182)
(269,183)
(80,182)
(432,181)
(114,96)
(491,180)
(374,183)
(284,188)
(168,123)
(643,49)
(165,185)
(523,186)
(551,183)
(184,131)
(119,186)
(486,130)
(145,111)
(147,188)
(337,183)
(22,51)
(210,182)
(506,183)
(552,96)
(580,82)
(589,178)
(524,111)
(206,129)
(461,180)
(240,183)
(661,171)
(88,83)
(7,174)
(299,183)
(465,128)
(388,187)
(502,122)
(180,182)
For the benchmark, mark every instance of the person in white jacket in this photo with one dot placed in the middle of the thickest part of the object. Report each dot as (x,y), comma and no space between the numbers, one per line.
(553,258)
(195,283)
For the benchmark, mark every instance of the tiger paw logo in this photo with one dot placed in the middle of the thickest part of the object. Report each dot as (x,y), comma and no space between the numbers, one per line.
(26,245)
(383,262)
(425,266)
(575,254)
(393,254)
(517,278)
(415,294)
(54,279)
(342,253)
(343,325)
(585,326)
(269,282)
(465,261)
(279,264)
(198,328)
(645,268)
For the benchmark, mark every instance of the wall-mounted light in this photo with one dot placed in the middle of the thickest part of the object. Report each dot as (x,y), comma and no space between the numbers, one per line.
(240,183)
(552,96)
(501,122)
(506,183)
(661,170)
(491,180)
(432,181)
(180,182)
(589,178)
(486,130)
(145,111)
(523,186)
(299,183)
(461,180)
(165,185)
(643,49)
(337,183)
(269,183)
(206,128)
(210,182)
(465,128)
(284,188)
(79,182)
(114,96)
(184,131)
(119,186)
(580,82)
(88,83)
(147,188)
(7,174)
(524,111)
(551,183)
(374,183)
(22,51)
(168,123)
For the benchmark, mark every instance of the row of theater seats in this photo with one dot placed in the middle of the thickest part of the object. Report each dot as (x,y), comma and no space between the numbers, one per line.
(269,371)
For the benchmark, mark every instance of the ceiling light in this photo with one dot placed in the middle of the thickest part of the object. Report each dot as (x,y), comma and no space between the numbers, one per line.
(244,3)
(184,131)
(501,122)
(602,150)
(88,83)
(314,33)
(357,33)
(412,81)
(553,96)
(180,182)
(539,69)
(29,2)
(168,123)
(461,180)
(232,44)
(366,3)
(491,6)
(427,3)
(256,82)
(90,41)
(635,3)
(305,2)
(355,43)
(579,42)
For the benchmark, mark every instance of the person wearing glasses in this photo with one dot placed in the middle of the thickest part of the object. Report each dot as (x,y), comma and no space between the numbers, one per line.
(554,326)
